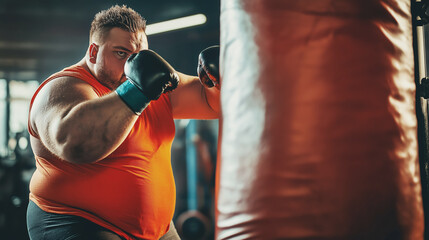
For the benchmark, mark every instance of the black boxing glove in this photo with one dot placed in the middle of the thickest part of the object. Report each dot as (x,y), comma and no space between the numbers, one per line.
(148,76)
(208,67)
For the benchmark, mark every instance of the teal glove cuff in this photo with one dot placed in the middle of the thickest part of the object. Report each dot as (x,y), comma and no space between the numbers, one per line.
(133,97)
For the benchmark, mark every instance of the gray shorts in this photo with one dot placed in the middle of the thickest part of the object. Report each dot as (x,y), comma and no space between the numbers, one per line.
(42,225)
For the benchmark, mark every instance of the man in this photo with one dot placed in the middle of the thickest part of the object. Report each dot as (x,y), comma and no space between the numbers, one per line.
(102,136)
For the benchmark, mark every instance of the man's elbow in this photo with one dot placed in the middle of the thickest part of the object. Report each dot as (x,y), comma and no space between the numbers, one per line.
(74,149)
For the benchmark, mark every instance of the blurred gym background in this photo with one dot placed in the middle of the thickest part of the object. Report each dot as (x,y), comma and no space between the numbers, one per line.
(38,38)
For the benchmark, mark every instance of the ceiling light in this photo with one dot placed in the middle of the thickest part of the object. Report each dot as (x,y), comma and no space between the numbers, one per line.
(175,24)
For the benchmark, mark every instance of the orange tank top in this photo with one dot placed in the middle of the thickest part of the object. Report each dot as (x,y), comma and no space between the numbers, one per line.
(132,191)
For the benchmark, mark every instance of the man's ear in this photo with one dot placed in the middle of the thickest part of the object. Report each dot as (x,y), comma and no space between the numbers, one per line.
(93,51)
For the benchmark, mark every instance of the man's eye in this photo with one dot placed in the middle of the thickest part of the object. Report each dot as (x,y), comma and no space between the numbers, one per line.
(121,54)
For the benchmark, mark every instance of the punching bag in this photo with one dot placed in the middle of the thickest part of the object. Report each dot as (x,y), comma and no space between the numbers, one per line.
(318,135)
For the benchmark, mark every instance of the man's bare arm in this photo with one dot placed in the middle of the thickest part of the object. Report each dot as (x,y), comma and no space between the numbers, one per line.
(77,125)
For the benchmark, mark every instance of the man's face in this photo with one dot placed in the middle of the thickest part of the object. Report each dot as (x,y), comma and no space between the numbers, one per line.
(114,52)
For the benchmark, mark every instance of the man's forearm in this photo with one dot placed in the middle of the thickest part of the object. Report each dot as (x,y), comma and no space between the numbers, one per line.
(213,98)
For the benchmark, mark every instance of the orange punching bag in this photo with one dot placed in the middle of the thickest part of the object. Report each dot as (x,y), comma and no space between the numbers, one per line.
(318,136)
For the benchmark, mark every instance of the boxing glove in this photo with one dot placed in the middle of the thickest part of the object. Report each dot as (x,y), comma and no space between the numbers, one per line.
(148,76)
(208,67)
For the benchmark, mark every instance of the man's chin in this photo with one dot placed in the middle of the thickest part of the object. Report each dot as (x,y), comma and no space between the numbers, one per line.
(123,79)
(113,85)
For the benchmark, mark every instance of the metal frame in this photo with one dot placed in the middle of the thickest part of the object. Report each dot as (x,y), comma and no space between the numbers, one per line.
(420,20)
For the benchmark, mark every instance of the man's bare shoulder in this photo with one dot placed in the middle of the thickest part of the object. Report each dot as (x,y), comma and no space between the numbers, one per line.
(66,88)
(61,93)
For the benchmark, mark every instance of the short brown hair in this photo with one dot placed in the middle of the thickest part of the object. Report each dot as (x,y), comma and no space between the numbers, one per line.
(117,16)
